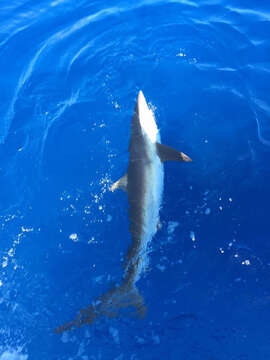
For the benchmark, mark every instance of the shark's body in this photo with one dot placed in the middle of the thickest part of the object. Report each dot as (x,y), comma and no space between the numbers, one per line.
(145,177)
(143,183)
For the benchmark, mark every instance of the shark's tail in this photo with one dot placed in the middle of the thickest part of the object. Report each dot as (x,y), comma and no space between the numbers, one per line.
(108,305)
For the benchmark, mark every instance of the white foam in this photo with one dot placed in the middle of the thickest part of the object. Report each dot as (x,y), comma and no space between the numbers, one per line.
(56,2)
(266,109)
(109,218)
(172,225)
(192,235)
(74,237)
(13,355)
(261,15)
(156,338)
(65,337)
(160,267)
(115,334)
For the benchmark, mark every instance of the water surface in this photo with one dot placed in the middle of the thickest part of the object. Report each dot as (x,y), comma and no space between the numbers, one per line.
(70,75)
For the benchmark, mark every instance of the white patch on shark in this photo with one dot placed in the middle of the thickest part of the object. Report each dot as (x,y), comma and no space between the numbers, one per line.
(147,120)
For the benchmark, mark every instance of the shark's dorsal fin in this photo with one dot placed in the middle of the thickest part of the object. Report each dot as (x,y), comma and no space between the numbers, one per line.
(167,153)
(120,184)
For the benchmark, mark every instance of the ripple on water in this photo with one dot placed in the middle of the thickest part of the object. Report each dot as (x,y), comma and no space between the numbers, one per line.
(69,52)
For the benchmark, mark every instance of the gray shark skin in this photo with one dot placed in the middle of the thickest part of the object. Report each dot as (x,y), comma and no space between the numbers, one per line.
(143,184)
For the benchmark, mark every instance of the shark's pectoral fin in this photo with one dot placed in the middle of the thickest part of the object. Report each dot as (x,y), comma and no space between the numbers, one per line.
(120,184)
(167,153)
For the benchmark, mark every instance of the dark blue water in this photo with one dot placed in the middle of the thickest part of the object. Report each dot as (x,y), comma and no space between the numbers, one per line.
(70,72)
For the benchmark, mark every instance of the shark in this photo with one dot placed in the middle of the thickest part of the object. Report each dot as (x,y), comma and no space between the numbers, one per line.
(143,184)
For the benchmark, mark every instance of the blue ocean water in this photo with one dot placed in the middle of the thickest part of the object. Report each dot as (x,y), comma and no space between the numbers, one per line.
(70,74)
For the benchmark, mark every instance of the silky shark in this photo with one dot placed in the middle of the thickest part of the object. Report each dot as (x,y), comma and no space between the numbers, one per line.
(143,184)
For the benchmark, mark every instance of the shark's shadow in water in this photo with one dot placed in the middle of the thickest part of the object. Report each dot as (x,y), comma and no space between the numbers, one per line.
(143,184)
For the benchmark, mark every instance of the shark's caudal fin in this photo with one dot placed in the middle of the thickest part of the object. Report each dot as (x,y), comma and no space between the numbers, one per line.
(108,305)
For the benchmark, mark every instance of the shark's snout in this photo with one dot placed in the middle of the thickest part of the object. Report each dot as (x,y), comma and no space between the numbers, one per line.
(142,105)
(146,118)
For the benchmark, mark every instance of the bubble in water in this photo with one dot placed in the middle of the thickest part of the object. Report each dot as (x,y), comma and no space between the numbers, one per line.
(74,237)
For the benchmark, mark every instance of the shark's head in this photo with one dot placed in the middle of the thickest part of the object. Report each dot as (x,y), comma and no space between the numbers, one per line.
(147,119)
